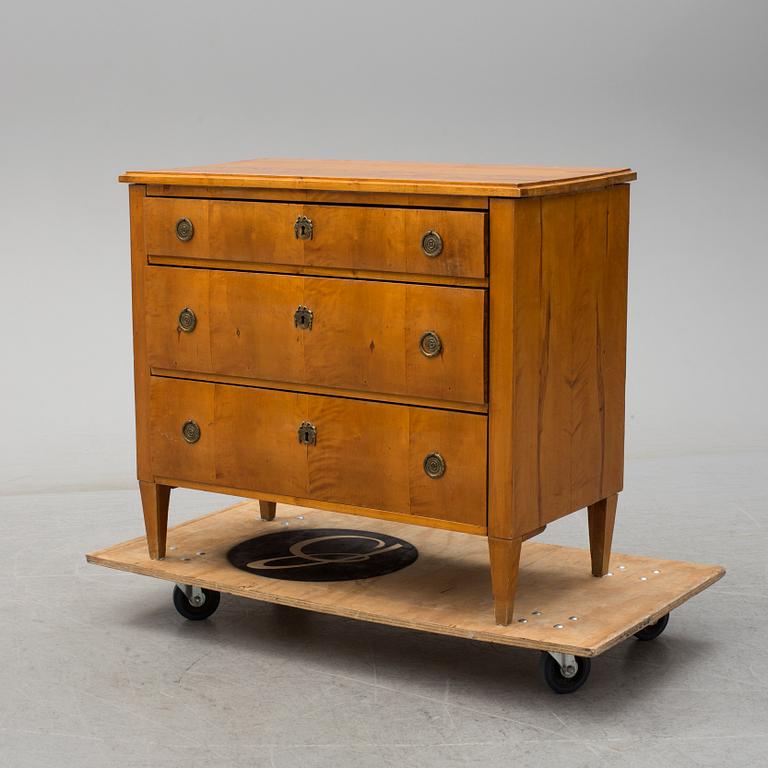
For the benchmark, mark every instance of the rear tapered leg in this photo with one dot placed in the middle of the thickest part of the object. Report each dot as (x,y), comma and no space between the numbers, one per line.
(154,500)
(505,564)
(268,509)
(602,516)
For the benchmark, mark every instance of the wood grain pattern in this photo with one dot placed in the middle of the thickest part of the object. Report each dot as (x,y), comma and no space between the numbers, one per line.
(315,271)
(155,499)
(388,177)
(136,195)
(611,362)
(328,506)
(365,335)
(601,516)
(293,195)
(505,564)
(548,244)
(447,590)
(367,454)
(379,239)
(514,232)
(560,439)
(317,389)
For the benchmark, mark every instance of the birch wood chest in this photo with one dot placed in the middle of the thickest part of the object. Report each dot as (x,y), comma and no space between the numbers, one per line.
(442,345)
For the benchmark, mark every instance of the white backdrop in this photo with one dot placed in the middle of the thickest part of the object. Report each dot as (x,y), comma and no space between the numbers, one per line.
(676,90)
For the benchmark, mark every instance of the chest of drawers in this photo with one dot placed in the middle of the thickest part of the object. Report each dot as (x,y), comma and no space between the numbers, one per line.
(437,344)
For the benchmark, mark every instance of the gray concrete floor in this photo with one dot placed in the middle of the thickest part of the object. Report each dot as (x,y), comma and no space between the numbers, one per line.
(96,667)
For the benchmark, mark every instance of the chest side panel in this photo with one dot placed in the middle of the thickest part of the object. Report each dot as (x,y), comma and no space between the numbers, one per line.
(558,304)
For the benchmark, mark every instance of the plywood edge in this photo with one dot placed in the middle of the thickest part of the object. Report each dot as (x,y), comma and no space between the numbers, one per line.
(713,574)
(609,616)
(340,610)
(452,630)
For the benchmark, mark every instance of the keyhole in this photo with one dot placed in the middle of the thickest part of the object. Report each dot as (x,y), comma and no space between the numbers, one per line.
(307,433)
(302,228)
(302,319)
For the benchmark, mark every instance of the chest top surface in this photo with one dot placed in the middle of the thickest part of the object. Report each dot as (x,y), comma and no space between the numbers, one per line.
(394,177)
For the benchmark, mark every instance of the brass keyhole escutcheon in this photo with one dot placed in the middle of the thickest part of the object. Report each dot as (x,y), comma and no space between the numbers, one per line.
(302,318)
(191,431)
(303,229)
(307,433)
(434,465)
(430,344)
(185,230)
(432,244)
(187,320)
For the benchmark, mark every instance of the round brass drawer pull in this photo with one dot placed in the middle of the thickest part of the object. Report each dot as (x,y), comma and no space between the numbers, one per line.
(430,344)
(307,433)
(303,229)
(185,230)
(434,465)
(191,431)
(187,320)
(432,244)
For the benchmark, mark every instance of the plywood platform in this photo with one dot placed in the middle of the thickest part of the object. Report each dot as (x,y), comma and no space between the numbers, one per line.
(447,590)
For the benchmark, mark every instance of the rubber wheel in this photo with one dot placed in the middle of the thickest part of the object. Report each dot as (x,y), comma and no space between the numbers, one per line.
(652,631)
(555,679)
(195,612)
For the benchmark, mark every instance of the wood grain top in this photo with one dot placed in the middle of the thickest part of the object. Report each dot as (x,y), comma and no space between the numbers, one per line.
(395,177)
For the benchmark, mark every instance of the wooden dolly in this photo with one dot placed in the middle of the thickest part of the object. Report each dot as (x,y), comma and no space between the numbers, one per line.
(561,609)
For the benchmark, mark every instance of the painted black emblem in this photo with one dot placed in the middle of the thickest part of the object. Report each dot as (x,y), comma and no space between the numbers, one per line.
(322,554)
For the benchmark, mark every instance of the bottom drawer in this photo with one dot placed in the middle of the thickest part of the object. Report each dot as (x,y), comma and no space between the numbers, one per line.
(363,454)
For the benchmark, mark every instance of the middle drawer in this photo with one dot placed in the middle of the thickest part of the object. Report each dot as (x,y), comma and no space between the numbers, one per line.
(378,337)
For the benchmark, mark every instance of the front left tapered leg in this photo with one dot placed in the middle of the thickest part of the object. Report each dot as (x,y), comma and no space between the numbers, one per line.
(602,517)
(268,509)
(505,564)
(154,500)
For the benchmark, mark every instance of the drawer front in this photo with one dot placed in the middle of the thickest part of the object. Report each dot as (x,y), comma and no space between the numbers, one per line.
(365,454)
(364,335)
(350,237)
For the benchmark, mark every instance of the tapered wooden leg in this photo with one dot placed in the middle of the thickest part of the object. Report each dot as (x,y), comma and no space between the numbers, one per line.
(268,509)
(505,563)
(602,516)
(154,500)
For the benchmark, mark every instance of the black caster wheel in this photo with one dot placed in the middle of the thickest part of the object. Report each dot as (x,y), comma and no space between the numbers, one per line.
(652,631)
(189,610)
(567,681)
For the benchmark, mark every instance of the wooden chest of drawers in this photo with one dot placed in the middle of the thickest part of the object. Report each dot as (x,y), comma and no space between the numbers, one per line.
(437,344)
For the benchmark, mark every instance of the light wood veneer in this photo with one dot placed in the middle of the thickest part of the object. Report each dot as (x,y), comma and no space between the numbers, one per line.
(365,334)
(523,401)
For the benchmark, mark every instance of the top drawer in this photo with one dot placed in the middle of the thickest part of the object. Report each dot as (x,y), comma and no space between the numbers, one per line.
(405,240)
